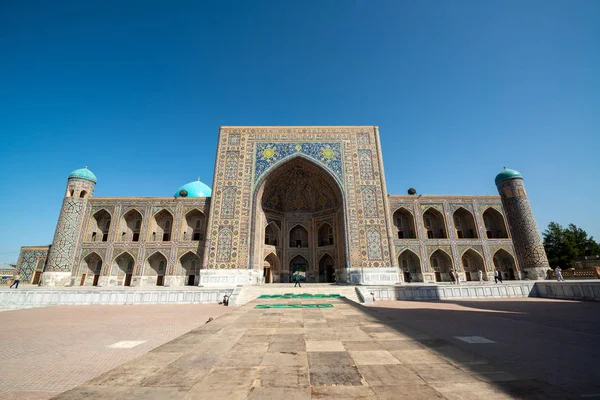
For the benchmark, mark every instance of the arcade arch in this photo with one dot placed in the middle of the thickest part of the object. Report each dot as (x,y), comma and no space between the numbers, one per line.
(441,263)
(410,262)
(99,226)
(504,262)
(471,262)
(464,223)
(494,224)
(405,224)
(433,220)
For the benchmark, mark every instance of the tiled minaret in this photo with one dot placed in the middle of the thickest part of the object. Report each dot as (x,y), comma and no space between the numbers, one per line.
(80,187)
(525,233)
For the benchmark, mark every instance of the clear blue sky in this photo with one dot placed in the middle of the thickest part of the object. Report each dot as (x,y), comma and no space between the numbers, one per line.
(136,90)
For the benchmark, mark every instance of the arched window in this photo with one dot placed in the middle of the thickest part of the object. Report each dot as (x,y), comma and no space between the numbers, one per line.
(272,234)
(325,235)
(99,267)
(298,236)
(434,223)
(160,226)
(405,224)
(464,224)
(99,226)
(82,194)
(435,263)
(494,224)
(161,266)
(198,223)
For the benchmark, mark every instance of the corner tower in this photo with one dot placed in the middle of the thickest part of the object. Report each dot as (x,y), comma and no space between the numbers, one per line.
(526,236)
(80,187)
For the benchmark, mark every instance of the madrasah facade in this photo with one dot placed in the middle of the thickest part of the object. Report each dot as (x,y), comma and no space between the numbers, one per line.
(299,200)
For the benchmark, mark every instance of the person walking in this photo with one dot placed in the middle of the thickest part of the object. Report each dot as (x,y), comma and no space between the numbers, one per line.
(495,276)
(452,278)
(480,276)
(408,277)
(558,272)
(500,276)
(16,280)
(297,279)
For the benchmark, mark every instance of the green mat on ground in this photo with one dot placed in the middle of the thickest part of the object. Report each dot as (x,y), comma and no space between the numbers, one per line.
(325,305)
(301,296)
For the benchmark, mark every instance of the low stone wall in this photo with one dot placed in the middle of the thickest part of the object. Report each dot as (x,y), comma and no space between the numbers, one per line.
(29,298)
(571,290)
(443,292)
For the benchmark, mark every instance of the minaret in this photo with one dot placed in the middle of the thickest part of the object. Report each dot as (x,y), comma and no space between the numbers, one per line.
(525,233)
(80,187)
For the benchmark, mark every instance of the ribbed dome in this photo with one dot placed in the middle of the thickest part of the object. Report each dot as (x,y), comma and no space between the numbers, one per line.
(194,189)
(83,173)
(508,173)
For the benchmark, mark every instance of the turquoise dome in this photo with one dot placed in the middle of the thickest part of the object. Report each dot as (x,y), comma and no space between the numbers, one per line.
(83,173)
(194,189)
(508,173)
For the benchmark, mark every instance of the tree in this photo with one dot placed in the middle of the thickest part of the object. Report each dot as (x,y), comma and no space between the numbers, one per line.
(564,245)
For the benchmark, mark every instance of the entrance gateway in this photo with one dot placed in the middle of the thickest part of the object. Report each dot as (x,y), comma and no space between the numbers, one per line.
(305,200)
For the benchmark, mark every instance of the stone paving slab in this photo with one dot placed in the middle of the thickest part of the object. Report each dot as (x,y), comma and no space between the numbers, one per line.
(45,351)
(360,354)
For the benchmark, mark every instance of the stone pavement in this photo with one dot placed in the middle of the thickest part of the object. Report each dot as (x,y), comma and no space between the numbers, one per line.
(46,351)
(348,351)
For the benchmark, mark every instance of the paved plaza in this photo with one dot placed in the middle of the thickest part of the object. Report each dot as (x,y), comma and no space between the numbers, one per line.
(45,351)
(527,349)
(499,349)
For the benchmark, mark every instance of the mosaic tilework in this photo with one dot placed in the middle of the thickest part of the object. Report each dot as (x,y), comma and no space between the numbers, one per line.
(29,260)
(527,238)
(374,245)
(228,203)
(328,154)
(64,245)
(231,165)
(369,203)
(366,164)
(224,245)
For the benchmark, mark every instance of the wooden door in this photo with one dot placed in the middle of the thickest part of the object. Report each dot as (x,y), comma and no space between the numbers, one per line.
(160,279)
(127,279)
(82,280)
(36,277)
(96,277)
(191,280)
(438,277)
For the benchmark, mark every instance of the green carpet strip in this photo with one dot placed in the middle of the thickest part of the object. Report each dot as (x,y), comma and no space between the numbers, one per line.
(301,296)
(294,306)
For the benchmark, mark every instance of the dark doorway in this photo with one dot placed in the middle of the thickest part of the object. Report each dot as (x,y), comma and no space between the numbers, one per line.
(160,280)
(96,277)
(128,279)
(82,280)
(191,280)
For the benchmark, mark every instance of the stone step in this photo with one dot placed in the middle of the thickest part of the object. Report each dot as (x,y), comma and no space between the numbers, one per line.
(250,293)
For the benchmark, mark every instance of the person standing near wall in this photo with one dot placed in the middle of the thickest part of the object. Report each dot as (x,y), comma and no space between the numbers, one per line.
(558,272)
(16,280)
(480,276)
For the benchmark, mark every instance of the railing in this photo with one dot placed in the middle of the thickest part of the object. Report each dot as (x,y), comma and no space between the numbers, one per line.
(578,273)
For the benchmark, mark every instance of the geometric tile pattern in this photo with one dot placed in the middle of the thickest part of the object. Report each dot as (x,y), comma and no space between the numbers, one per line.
(28,262)
(527,238)
(67,233)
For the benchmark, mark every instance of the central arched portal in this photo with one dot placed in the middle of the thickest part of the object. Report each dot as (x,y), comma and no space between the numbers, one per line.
(299,217)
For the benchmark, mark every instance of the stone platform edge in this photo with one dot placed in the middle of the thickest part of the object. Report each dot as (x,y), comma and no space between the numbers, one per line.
(573,290)
(20,299)
(570,290)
